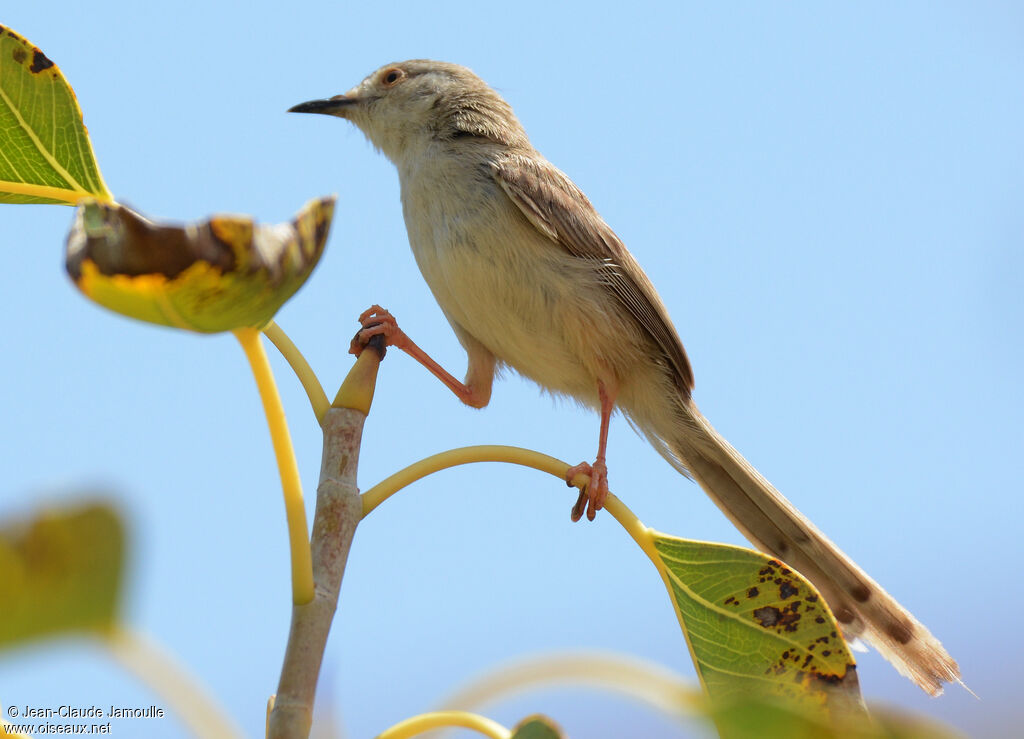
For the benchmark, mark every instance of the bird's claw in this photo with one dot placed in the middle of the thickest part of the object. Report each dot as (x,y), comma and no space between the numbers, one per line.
(592,495)
(375,321)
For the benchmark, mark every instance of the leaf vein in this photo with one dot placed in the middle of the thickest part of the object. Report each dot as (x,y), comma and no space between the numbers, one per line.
(714,607)
(47,154)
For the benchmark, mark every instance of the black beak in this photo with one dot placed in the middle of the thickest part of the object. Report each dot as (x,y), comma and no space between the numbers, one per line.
(330,106)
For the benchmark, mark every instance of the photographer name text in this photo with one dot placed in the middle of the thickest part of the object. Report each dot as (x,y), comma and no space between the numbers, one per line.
(86,712)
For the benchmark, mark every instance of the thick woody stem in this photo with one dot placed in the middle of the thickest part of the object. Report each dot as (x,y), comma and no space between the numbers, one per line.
(338,510)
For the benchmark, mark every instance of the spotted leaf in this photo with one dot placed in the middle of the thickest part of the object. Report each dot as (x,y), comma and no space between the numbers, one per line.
(755,627)
(45,153)
(220,274)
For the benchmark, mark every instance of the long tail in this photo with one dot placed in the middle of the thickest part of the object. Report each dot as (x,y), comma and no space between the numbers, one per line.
(773,525)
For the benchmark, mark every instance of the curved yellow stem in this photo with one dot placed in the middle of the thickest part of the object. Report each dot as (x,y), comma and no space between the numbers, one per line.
(515,455)
(295,509)
(310,383)
(454,457)
(166,678)
(500,453)
(440,719)
(639,679)
(643,536)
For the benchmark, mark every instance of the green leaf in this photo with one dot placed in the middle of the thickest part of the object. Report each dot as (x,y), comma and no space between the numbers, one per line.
(754,716)
(61,573)
(896,724)
(757,628)
(45,154)
(221,274)
(537,727)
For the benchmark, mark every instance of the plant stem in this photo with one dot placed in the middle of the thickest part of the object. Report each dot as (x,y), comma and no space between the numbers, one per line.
(454,457)
(514,455)
(291,484)
(639,679)
(310,383)
(338,511)
(411,727)
(169,680)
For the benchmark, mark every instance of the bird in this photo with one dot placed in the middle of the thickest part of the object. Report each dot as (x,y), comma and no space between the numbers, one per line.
(532,278)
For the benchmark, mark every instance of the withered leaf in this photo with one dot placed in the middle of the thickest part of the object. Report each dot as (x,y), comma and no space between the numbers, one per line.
(220,274)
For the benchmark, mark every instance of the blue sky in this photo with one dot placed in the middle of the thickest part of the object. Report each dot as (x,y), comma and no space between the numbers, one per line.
(827,198)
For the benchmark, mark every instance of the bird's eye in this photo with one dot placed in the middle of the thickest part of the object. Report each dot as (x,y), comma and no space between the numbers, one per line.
(392,76)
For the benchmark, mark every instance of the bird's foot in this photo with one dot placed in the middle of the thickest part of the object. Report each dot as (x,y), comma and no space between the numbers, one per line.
(593,494)
(376,321)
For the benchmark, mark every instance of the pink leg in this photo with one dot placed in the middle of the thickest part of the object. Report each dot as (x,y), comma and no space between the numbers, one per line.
(594,494)
(377,320)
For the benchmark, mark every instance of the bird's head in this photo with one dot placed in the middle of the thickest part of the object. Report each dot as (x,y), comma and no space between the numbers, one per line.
(406,106)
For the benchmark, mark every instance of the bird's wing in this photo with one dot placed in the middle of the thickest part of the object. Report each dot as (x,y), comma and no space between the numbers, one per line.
(560,211)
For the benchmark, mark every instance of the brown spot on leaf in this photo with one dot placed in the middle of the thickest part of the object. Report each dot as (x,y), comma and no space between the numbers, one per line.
(811,598)
(771,617)
(39,62)
(901,631)
(786,590)
(731,600)
(819,619)
(768,616)
(753,592)
(848,678)
(20,55)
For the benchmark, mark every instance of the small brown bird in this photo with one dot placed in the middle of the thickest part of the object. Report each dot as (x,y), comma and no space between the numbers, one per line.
(531,277)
